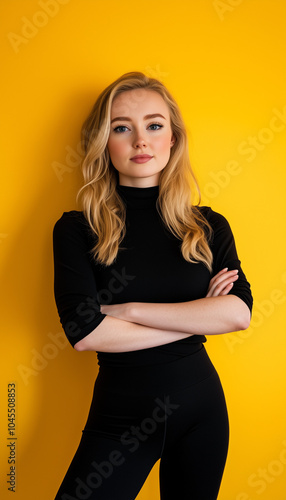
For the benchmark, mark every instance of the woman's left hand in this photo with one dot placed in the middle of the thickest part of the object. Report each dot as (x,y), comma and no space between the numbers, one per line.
(222,283)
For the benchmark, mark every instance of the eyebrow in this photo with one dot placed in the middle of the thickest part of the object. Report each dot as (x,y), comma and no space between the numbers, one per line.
(126,119)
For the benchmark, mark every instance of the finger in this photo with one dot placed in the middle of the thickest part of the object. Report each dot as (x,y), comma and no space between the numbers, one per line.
(223,292)
(222,275)
(221,287)
(219,291)
(223,271)
(225,278)
(221,282)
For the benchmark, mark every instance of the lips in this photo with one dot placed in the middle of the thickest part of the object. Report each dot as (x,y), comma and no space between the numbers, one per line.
(141,158)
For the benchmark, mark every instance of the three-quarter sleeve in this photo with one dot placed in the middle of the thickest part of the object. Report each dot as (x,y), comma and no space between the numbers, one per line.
(74,280)
(225,255)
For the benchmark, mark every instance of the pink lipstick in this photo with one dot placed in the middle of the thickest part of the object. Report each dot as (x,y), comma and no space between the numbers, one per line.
(141,158)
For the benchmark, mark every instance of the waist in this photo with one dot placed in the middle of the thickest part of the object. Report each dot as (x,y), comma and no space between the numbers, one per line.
(154,355)
(151,379)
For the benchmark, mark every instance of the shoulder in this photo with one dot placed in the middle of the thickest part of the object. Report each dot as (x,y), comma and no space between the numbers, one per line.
(220,227)
(72,224)
(72,219)
(215,219)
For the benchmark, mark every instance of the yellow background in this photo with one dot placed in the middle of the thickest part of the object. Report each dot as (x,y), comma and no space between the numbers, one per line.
(224,62)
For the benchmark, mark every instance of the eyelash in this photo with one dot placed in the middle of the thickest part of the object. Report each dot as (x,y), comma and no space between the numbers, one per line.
(124,126)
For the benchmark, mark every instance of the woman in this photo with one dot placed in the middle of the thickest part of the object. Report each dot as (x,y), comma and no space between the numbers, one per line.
(141,276)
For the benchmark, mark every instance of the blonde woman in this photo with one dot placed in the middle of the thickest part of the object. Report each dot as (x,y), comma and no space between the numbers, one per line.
(142,276)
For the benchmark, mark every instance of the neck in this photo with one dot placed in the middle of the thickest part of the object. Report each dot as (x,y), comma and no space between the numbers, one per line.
(139,185)
(139,197)
(140,182)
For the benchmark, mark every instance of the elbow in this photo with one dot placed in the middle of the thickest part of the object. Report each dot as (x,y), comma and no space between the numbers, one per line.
(243,325)
(81,346)
(241,313)
(88,343)
(243,320)
(93,341)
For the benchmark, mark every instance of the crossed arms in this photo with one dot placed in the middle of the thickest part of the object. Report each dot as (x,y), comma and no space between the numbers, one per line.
(140,325)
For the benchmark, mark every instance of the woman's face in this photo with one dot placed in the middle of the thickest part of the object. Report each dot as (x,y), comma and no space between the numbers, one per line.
(140,125)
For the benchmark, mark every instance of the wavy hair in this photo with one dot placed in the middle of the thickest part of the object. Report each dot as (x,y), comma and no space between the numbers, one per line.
(102,205)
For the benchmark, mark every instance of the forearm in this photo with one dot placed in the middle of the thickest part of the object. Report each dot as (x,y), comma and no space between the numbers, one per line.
(116,335)
(206,316)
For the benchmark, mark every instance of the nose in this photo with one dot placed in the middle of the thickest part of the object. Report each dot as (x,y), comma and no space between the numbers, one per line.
(139,141)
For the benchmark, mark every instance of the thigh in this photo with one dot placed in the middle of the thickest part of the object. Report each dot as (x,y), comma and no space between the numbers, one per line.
(105,469)
(196,443)
(121,442)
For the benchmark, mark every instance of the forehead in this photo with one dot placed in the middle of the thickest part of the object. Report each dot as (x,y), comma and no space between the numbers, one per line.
(138,101)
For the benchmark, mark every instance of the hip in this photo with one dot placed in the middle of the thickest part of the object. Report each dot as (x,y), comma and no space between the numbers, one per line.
(161,376)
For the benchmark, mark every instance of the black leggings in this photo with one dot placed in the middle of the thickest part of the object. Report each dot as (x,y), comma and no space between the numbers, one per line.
(173,411)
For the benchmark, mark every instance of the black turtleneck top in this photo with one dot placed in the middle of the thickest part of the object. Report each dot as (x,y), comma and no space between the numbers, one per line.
(149,268)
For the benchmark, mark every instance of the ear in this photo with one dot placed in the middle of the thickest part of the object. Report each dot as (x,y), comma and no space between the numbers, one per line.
(173,140)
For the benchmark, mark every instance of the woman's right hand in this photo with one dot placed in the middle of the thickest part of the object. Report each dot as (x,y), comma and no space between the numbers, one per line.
(222,282)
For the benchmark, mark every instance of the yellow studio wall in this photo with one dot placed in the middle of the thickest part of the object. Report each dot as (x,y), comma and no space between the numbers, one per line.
(224,61)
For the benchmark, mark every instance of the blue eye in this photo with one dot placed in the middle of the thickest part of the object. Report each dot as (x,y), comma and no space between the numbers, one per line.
(156,125)
(122,128)
(119,127)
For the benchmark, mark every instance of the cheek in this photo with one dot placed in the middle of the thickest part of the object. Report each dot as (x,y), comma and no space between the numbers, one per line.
(164,145)
(115,148)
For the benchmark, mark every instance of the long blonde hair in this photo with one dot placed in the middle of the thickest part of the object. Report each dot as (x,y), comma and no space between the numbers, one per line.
(103,206)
